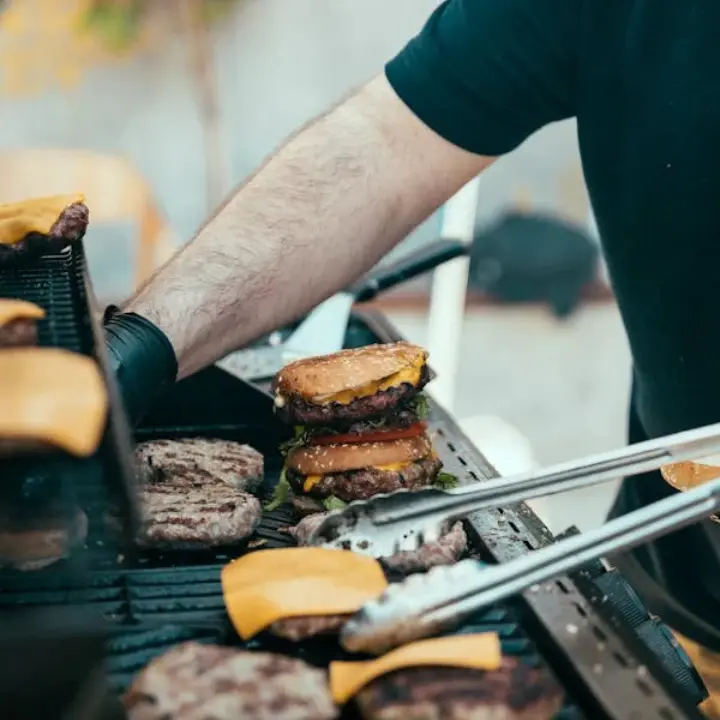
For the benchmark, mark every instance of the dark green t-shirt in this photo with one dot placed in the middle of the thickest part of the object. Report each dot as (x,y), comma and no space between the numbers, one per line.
(642,77)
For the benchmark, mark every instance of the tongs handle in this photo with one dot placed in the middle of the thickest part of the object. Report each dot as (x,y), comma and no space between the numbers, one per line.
(454,593)
(593,470)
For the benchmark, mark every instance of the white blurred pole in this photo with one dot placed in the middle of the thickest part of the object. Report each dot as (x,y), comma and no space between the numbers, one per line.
(448,295)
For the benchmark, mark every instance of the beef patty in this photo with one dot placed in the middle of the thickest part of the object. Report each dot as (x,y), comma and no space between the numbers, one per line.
(195,461)
(445,551)
(178,516)
(299,411)
(199,682)
(368,482)
(514,692)
(192,492)
(301,628)
(19,333)
(403,418)
(33,544)
(69,227)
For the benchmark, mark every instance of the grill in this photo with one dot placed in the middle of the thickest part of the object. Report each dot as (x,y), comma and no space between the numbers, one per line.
(589,630)
(58,284)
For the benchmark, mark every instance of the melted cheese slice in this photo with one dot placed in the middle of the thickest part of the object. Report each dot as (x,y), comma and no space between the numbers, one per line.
(270,585)
(476,652)
(37,215)
(312,480)
(52,396)
(409,375)
(11,310)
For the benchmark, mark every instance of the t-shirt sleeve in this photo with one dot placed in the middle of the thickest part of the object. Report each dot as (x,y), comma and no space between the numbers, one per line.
(486,74)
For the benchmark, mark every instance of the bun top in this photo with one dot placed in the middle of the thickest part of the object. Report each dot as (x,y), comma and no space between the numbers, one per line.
(11,310)
(329,375)
(327,459)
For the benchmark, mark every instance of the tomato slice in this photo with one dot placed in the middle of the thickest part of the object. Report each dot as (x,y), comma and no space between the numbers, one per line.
(374,436)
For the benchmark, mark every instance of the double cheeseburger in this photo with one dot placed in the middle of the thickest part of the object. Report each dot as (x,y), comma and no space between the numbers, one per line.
(360,428)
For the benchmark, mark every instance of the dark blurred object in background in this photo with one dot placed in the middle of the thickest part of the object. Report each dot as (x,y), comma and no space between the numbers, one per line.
(534,258)
(53,667)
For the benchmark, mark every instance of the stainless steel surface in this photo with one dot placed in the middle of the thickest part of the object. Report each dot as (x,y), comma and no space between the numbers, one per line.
(424,605)
(404,520)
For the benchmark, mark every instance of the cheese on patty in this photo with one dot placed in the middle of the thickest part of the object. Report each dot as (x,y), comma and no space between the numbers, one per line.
(409,375)
(33,216)
(312,480)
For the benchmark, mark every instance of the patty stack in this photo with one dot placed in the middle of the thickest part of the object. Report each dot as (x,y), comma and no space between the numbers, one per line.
(360,430)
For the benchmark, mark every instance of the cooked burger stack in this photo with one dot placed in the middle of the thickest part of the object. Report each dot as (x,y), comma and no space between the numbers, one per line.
(360,431)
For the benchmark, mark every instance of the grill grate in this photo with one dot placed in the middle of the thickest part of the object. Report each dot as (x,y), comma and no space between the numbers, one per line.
(59,285)
(155,601)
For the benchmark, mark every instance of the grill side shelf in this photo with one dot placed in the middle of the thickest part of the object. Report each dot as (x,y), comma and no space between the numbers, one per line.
(590,648)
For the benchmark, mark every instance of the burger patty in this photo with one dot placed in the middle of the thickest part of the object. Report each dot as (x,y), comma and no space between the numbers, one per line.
(178,516)
(513,692)
(204,682)
(403,418)
(299,411)
(68,228)
(301,628)
(368,482)
(445,551)
(42,541)
(193,462)
(19,333)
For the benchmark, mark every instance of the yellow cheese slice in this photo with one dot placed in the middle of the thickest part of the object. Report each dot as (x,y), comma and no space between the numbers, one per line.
(35,215)
(11,310)
(270,585)
(406,375)
(52,396)
(312,480)
(476,652)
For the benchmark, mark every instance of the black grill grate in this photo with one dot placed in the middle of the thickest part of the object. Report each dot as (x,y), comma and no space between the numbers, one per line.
(155,601)
(59,285)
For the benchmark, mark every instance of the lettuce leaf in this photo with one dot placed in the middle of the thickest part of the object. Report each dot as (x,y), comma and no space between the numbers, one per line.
(446,481)
(281,494)
(420,405)
(299,439)
(334,503)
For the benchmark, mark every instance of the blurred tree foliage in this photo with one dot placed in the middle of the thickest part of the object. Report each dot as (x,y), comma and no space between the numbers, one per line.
(118,23)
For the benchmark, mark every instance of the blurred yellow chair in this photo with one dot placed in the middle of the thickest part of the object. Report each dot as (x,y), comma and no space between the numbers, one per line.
(114,190)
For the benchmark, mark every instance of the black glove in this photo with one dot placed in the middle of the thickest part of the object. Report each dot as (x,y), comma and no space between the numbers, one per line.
(142,357)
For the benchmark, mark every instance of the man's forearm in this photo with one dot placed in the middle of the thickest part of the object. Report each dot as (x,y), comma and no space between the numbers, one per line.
(318,215)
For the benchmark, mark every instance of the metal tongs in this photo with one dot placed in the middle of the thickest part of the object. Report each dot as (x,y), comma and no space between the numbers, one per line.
(405,520)
(425,605)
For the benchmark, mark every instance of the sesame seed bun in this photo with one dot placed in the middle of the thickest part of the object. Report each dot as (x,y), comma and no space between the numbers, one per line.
(348,369)
(326,459)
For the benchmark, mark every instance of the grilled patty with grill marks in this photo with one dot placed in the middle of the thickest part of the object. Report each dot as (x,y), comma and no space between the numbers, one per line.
(514,692)
(367,482)
(194,461)
(192,492)
(209,682)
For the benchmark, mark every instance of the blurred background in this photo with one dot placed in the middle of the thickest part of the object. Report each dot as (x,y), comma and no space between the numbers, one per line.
(155,109)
